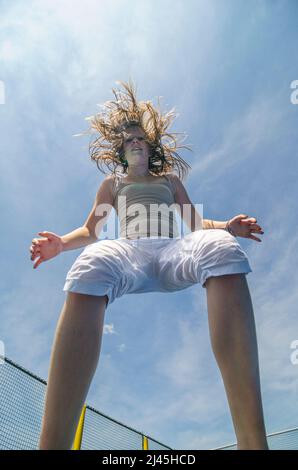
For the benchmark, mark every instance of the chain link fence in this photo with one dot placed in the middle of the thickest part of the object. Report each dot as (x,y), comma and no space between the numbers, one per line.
(22,396)
(283,440)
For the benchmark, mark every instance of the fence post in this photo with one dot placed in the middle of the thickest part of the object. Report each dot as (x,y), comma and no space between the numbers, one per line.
(79,432)
(145,443)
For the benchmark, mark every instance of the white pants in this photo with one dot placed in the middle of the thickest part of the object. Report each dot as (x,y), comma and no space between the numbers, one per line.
(125,266)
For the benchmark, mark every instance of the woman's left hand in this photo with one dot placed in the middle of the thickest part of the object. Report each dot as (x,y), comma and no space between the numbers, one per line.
(244,226)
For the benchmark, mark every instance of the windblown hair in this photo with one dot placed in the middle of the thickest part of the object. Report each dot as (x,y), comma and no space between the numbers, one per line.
(117,116)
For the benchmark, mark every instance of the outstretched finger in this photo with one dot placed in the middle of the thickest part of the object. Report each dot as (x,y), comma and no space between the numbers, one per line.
(40,260)
(49,235)
(255,238)
(254,225)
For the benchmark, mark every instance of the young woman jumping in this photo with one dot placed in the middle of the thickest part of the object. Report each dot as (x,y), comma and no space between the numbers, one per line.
(149,255)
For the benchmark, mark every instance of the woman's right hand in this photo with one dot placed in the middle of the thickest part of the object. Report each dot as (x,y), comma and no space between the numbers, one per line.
(45,248)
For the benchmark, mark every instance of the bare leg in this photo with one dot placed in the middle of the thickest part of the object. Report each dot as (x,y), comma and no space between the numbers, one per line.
(74,359)
(234,343)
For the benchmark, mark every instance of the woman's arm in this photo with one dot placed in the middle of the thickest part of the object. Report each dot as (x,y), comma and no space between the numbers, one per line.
(240,226)
(188,212)
(76,239)
(51,244)
(209,224)
(90,231)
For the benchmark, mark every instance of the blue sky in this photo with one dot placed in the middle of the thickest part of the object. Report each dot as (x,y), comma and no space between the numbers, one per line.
(227,67)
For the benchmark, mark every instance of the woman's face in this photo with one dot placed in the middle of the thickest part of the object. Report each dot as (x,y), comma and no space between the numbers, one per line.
(135,146)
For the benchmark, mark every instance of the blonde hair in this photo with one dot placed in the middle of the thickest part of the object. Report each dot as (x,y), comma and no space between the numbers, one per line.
(117,116)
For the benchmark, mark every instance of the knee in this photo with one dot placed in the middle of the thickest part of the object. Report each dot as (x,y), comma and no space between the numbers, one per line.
(227,282)
(75,298)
